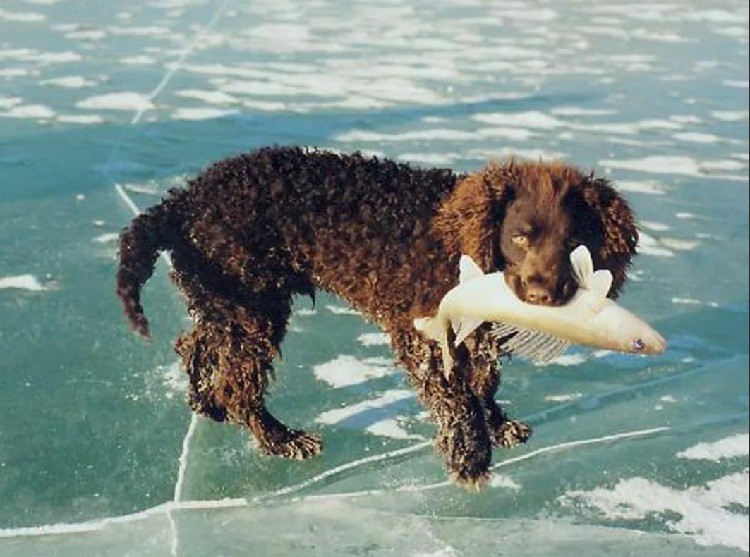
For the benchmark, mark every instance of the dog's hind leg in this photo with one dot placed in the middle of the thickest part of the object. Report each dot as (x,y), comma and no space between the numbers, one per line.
(240,321)
(462,438)
(484,380)
(228,356)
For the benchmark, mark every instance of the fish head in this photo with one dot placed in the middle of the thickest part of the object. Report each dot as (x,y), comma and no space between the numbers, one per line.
(638,337)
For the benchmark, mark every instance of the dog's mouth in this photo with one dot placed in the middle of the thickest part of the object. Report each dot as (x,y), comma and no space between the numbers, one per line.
(542,295)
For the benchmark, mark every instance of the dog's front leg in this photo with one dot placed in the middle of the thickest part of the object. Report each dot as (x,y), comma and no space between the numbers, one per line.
(462,438)
(482,351)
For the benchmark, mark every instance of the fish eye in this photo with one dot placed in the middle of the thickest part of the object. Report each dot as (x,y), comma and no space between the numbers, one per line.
(638,345)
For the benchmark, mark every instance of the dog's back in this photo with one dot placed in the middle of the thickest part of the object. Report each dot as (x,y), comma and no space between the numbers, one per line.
(287,219)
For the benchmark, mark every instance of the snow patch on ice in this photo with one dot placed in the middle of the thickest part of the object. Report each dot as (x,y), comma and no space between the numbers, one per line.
(346,370)
(125,100)
(206,113)
(338,415)
(729,447)
(374,339)
(24,282)
(562,397)
(693,302)
(569,359)
(341,310)
(701,509)
(391,428)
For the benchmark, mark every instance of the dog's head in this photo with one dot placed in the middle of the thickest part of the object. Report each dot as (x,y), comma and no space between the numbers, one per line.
(535,239)
(525,218)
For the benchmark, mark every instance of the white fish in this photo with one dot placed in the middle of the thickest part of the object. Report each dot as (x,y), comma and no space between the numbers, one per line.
(539,332)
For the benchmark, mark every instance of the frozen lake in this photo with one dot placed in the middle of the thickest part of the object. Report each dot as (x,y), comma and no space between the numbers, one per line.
(104,106)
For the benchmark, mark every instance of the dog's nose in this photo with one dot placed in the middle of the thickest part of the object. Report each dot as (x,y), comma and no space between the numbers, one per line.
(537,294)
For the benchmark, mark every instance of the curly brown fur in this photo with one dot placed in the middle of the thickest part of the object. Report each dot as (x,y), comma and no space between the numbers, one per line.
(252,231)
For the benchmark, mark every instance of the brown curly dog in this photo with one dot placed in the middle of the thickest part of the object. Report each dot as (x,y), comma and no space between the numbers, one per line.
(252,231)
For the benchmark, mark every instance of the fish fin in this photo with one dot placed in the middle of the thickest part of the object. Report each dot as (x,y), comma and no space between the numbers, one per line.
(527,343)
(432,328)
(429,327)
(447,361)
(468,269)
(583,266)
(465,328)
(601,282)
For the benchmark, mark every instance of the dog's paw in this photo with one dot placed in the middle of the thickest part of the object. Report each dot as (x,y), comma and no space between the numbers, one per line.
(472,481)
(467,452)
(511,433)
(293,444)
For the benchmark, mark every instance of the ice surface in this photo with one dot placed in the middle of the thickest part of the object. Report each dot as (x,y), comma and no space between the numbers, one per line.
(104,108)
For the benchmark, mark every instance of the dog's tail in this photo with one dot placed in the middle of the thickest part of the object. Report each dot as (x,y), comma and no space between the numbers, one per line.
(140,243)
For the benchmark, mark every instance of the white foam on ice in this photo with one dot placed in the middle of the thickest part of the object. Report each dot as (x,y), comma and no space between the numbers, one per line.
(138,60)
(392,429)
(139,31)
(679,244)
(107,238)
(513,134)
(648,245)
(505,482)
(23,282)
(701,509)
(530,119)
(69,82)
(374,339)
(651,187)
(729,447)
(341,310)
(693,302)
(562,397)
(143,189)
(43,58)
(431,159)
(124,100)
(418,135)
(655,226)
(210,97)
(715,16)
(581,111)
(205,113)
(569,359)
(86,34)
(86,119)
(696,137)
(338,415)
(730,115)
(21,17)
(680,165)
(9,102)
(346,370)
(30,111)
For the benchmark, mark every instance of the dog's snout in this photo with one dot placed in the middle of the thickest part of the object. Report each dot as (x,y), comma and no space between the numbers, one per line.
(538,294)
(538,290)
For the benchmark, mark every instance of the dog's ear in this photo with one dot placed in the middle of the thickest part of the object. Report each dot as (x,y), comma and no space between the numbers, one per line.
(470,220)
(620,235)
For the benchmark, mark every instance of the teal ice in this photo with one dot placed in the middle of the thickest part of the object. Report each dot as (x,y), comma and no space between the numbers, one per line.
(106,105)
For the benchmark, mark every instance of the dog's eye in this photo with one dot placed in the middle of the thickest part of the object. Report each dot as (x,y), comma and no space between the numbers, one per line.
(521,240)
